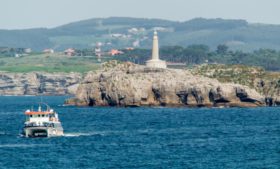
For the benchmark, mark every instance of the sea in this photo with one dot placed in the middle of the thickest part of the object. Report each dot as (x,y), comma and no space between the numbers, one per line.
(115,138)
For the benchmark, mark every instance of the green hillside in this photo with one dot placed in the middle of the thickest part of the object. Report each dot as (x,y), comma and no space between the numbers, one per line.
(48,63)
(237,34)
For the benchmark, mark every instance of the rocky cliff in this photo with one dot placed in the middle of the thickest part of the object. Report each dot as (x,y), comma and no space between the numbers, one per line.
(127,84)
(265,82)
(39,83)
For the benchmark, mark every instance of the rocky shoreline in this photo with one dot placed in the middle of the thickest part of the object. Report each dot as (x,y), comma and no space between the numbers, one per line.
(38,83)
(128,84)
(264,82)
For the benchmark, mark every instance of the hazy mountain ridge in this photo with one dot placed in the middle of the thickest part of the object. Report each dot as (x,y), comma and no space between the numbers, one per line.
(238,34)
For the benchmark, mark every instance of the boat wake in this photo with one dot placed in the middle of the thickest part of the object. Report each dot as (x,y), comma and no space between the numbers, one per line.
(82,134)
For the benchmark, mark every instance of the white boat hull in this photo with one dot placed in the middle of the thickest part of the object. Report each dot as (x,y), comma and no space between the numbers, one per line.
(42,132)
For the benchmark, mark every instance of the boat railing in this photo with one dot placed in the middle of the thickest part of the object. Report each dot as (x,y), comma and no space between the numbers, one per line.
(39,125)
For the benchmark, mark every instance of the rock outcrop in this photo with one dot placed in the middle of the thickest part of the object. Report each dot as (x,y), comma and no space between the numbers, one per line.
(265,82)
(39,83)
(128,84)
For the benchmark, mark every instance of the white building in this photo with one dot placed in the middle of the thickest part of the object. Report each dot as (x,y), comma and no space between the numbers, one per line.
(155,62)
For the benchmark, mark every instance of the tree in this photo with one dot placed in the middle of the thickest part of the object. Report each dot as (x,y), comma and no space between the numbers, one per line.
(196,54)
(222,49)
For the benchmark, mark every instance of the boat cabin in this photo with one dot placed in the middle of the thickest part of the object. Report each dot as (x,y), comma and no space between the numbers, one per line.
(39,118)
(42,123)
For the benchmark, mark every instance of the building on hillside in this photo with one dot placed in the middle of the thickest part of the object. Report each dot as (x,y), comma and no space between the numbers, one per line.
(69,52)
(136,30)
(136,43)
(17,55)
(13,52)
(48,51)
(129,48)
(117,35)
(163,29)
(27,50)
(4,50)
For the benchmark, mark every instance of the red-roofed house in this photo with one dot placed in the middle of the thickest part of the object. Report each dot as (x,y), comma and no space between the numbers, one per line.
(69,52)
(114,52)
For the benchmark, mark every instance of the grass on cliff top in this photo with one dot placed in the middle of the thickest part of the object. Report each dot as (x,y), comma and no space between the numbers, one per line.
(240,74)
(49,63)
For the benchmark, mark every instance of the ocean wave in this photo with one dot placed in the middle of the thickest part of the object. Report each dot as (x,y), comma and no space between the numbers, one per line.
(3,133)
(63,105)
(22,145)
(10,112)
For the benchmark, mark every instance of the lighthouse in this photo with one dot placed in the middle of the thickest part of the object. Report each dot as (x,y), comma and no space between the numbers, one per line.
(155,61)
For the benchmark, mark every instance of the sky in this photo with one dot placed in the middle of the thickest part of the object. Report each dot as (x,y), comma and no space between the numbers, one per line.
(22,14)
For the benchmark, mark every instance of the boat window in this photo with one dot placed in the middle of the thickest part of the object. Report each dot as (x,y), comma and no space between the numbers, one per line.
(39,115)
(43,115)
(30,115)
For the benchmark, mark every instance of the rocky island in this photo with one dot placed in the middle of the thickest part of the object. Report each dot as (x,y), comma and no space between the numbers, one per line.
(128,84)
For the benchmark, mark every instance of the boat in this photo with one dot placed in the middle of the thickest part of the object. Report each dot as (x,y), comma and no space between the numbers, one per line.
(42,123)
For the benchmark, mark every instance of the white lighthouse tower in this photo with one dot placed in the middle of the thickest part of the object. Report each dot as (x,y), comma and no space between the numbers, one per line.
(155,62)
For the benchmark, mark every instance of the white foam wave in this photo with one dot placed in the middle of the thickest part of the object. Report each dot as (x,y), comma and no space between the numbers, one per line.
(100,133)
(81,134)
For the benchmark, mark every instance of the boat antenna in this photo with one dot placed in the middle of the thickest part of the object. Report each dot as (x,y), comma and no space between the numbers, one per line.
(41,93)
(41,99)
